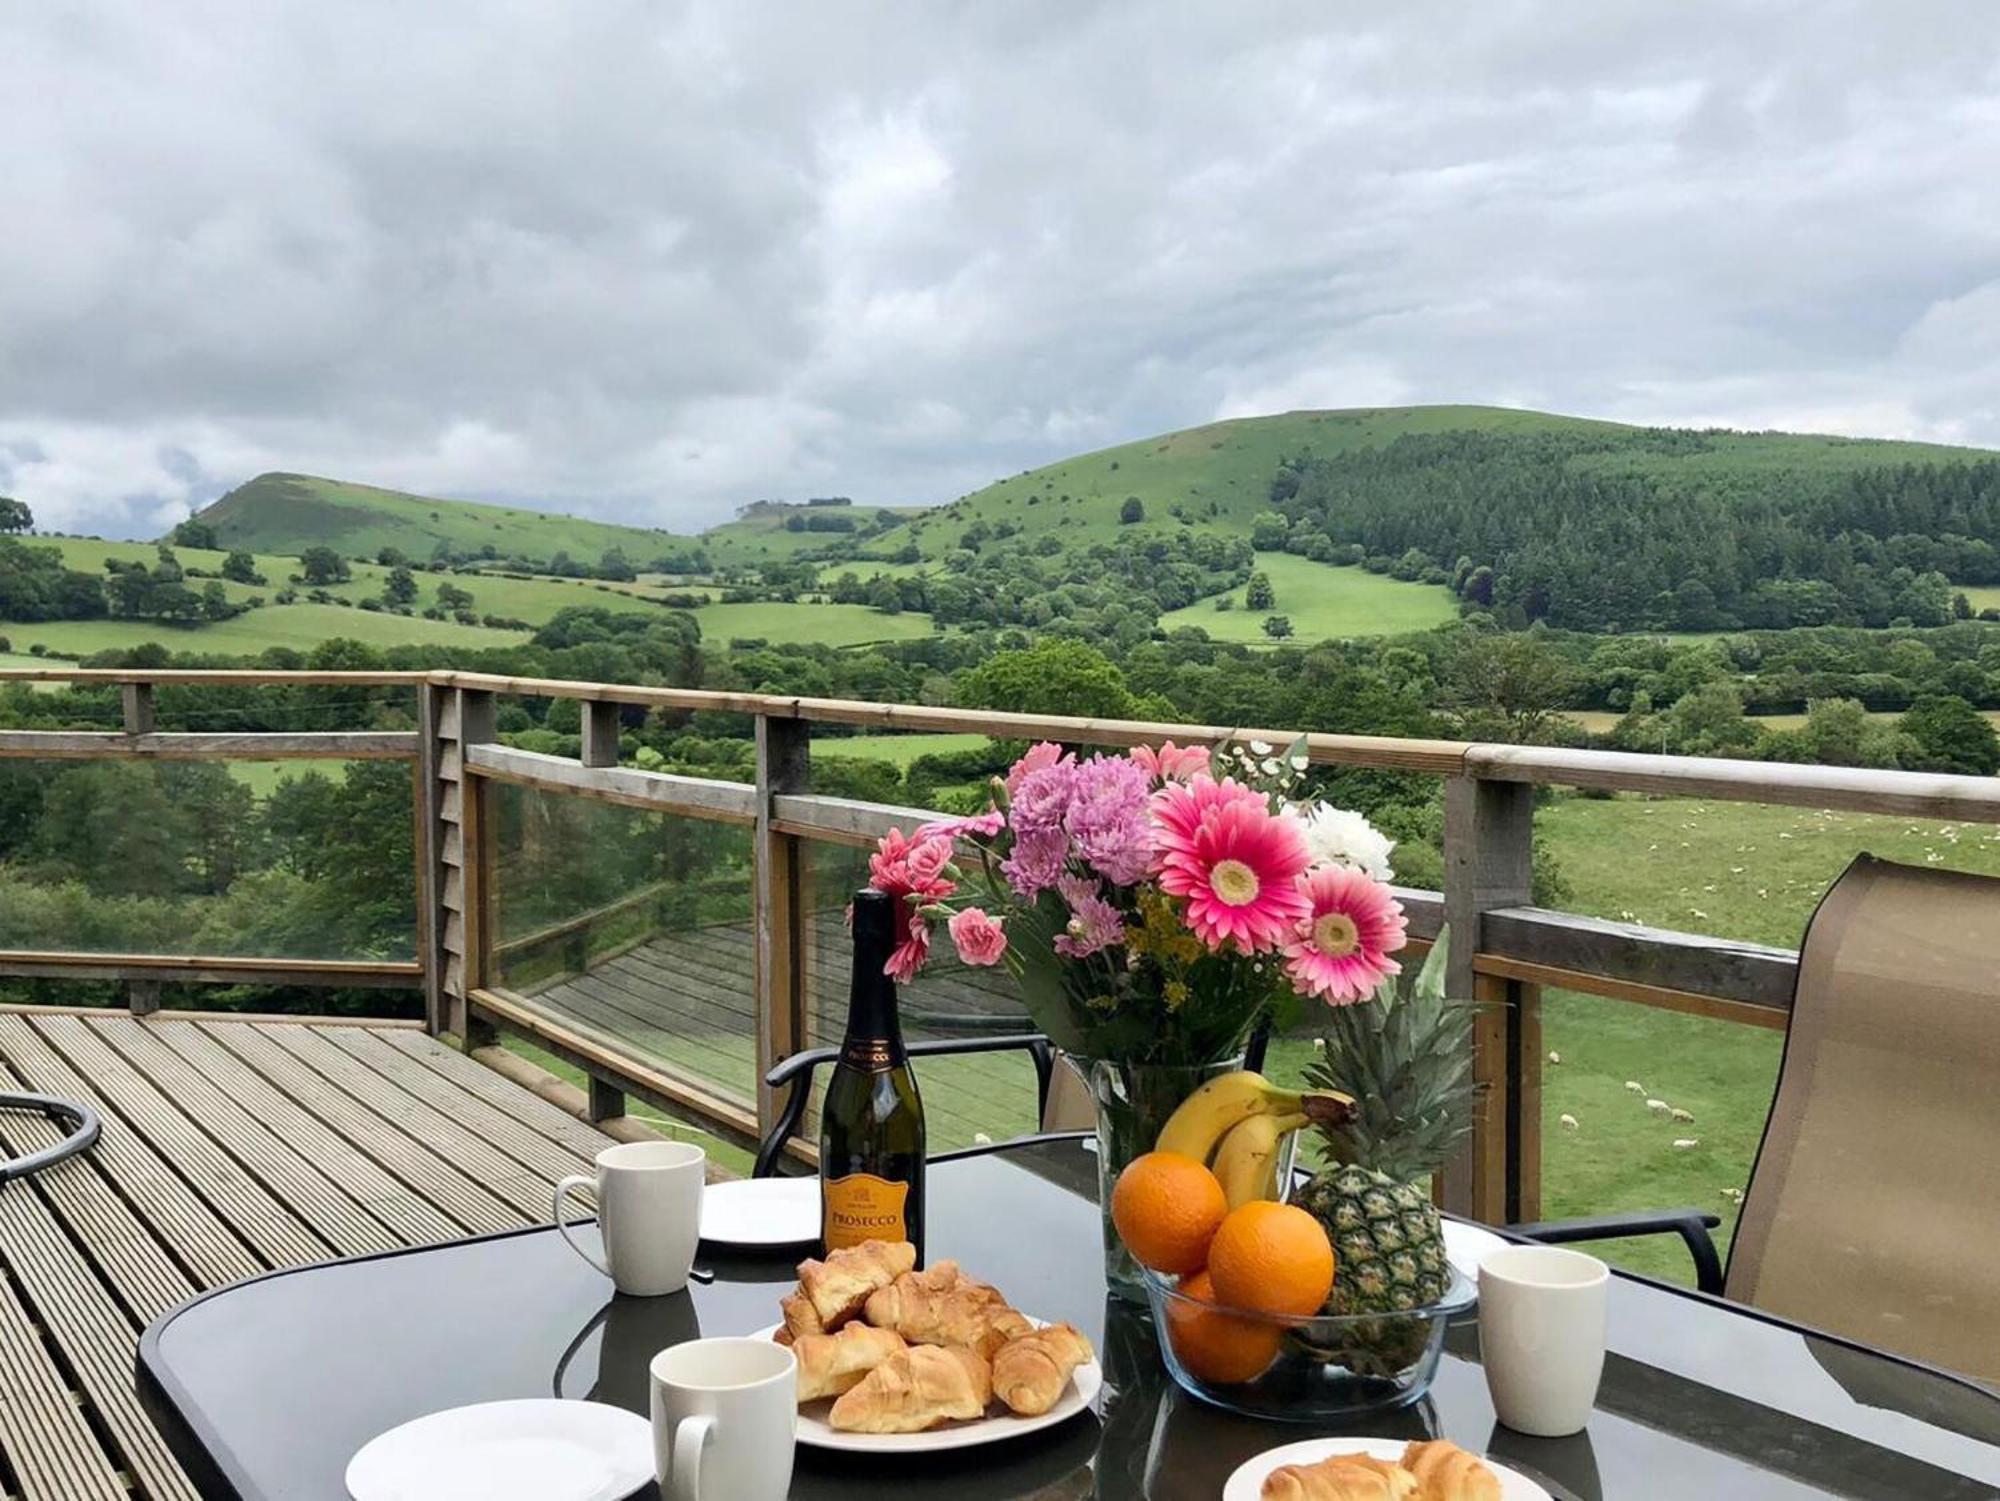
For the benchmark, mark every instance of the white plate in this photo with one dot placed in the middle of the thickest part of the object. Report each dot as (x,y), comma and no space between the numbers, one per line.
(1465,1246)
(537,1449)
(1247,1484)
(761,1212)
(1076,1397)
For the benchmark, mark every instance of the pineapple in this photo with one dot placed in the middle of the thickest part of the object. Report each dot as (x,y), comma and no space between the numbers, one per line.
(1405,1056)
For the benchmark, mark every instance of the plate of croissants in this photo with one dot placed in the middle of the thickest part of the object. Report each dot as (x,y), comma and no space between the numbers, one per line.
(1376,1469)
(893,1359)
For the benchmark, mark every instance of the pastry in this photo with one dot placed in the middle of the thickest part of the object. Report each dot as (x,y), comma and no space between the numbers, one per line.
(1446,1472)
(838,1286)
(938,1306)
(1344,1477)
(915,1389)
(801,1318)
(830,1364)
(1031,1369)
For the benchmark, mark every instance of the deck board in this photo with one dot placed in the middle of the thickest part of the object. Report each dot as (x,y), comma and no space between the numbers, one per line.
(229,1148)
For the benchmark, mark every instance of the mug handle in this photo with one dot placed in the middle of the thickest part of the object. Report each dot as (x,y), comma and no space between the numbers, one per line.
(690,1443)
(563,1190)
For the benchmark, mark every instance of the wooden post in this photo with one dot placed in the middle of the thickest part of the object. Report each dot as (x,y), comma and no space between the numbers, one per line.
(784,765)
(607,1102)
(143,996)
(430,852)
(600,734)
(468,719)
(138,708)
(1488,851)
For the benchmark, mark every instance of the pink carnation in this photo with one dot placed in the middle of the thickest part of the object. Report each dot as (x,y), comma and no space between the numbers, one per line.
(978,938)
(1340,947)
(909,955)
(1040,757)
(1171,763)
(983,825)
(906,868)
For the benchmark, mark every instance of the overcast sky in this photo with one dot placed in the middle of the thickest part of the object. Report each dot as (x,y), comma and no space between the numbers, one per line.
(655,260)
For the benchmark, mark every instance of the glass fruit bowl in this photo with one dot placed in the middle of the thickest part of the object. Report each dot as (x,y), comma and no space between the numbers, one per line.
(1301,1369)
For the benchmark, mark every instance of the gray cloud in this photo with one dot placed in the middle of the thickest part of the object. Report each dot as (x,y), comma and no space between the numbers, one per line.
(654,261)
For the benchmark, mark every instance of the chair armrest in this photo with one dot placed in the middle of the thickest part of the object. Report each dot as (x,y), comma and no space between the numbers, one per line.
(1691,1225)
(797,1071)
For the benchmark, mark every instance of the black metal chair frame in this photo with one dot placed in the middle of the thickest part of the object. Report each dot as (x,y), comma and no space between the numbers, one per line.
(82,1129)
(795,1074)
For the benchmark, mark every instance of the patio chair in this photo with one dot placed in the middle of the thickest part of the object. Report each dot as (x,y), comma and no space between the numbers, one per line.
(82,1130)
(1874,1205)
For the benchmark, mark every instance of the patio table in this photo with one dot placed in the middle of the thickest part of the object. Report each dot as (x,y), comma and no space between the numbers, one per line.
(265,1389)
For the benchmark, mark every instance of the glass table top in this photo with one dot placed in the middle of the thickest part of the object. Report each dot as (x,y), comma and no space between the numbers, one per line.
(266,1389)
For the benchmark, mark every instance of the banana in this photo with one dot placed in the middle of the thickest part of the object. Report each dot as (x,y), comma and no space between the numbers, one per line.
(1247,1161)
(1196,1129)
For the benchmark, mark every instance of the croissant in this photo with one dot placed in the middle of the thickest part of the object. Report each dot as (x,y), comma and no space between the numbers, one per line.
(1446,1472)
(1344,1477)
(801,1318)
(914,1389)
(1031,1369)
(838,1286)
(937,1307)
(830,1364)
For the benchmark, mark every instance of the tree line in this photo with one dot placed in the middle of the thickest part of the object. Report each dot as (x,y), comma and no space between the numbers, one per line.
(1623,531)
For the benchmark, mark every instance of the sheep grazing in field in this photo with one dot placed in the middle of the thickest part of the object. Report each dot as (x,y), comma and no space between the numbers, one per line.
(1687,1143)
(1659,1107)
(1569,1122)
(1684,1116)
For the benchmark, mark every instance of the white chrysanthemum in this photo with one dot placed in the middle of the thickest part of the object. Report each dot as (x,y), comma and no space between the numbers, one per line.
(1340,836)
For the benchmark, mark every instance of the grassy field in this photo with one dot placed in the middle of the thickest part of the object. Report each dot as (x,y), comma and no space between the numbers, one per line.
(827,625)
(1600,721)
(1322,602)
(533,600)
(297,626)
(900,749)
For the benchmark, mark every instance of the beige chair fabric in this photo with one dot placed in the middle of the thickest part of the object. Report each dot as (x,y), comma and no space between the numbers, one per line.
(1874,1208)
(1069,1106)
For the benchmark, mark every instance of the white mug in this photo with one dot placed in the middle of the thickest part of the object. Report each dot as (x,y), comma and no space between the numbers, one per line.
(724,1415)
(1541,1336)
(648,1213)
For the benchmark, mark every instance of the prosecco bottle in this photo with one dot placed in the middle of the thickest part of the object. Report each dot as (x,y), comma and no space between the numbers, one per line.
(871,1135)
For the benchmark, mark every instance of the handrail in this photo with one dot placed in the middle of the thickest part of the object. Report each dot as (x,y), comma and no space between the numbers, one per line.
(1854,789)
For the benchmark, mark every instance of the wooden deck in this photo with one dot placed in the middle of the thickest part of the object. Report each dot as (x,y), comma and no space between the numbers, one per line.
(687,999)
(230,1147)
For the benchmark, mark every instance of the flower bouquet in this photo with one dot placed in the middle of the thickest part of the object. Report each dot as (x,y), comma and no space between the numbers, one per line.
(1154,906)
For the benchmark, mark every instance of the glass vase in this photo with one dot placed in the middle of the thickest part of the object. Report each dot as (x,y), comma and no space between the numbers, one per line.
(1133,1101)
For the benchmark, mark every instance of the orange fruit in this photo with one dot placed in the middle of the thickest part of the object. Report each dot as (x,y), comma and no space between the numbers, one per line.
(1224,1348)
(1271,1258)
(1166,1207)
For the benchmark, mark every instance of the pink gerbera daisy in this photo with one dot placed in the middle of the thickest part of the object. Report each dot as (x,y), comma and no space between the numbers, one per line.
(1340,948)
(1239,872)
(1171,763)
(1179,809)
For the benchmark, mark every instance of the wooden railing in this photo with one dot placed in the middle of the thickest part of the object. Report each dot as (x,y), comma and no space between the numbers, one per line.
(1505,949)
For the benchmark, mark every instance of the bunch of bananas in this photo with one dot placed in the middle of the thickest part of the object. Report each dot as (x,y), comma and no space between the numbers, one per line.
(1237,1124)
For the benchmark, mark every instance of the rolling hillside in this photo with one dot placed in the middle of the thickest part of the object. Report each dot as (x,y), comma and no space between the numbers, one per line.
(286,513)
(1219,476)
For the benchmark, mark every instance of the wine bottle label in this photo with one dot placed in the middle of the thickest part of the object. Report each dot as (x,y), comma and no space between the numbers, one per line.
(862,1207)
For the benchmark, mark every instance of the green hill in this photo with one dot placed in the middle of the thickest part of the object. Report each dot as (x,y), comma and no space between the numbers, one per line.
(1219,476)
(287,513)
